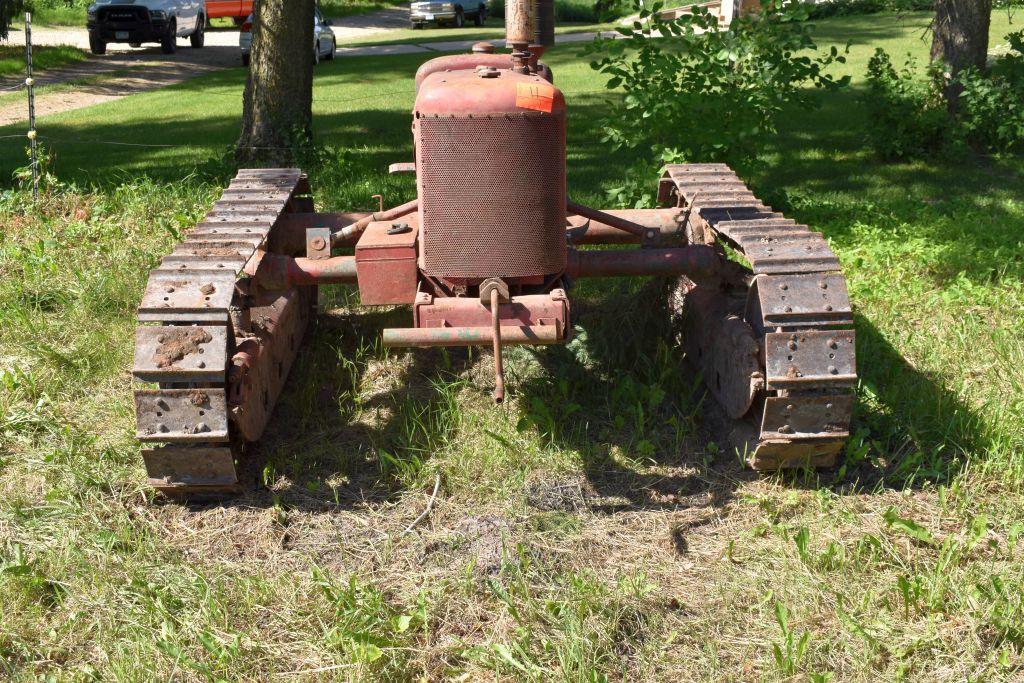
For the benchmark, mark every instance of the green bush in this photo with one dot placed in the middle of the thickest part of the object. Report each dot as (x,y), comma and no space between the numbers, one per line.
(908,116)
(842,8)
(992,102)
(702,94)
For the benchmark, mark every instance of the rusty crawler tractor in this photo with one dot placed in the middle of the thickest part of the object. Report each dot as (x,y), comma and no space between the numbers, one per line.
(225,312)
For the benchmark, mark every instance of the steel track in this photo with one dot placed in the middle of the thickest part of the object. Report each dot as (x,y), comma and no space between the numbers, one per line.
(217,352)
(782,358)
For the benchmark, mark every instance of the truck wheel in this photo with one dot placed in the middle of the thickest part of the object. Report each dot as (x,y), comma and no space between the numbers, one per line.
(416,26)
(481,16)
(96,45)
(334,48)
(169,43)
(198,37)
(460,19)
(316,54)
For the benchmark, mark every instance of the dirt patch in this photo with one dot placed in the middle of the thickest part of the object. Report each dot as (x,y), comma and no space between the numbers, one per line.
(565,494)
(481,539)
(179,343)
(197,397)
(216,251)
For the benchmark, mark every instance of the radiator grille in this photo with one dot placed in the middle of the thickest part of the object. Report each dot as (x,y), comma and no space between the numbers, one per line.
(492,195)
(119,13)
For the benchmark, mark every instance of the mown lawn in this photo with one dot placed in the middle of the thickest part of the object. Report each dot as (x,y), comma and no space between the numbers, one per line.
(12,58)
(591,528)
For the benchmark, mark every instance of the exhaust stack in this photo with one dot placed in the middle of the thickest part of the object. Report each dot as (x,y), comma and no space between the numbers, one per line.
(520,31)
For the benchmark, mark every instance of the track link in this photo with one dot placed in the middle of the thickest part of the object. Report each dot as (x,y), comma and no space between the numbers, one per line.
(217,354)
(796,384)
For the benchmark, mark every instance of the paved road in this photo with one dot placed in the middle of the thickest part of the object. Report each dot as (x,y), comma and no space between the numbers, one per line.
(346,28)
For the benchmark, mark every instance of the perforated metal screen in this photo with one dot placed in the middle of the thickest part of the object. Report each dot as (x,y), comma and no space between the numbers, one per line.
(492,195)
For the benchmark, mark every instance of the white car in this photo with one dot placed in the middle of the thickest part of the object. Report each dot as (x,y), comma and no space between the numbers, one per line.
(324,42)
(145,21)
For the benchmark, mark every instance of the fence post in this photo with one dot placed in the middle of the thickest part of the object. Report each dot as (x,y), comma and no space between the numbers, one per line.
(29,84)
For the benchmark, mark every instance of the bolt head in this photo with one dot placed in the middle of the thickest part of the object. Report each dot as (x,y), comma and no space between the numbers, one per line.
(832,370)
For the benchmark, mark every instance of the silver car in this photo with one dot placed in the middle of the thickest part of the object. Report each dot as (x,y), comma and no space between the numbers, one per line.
(325,44)
(454,13)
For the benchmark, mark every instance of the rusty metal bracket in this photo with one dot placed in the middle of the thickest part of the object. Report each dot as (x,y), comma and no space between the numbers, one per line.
(171,467)
(805,360)
(181,415)
(493,283)
(650,238)
(807,417)
(814,300)
(174,297)
(181,353)
(318,243)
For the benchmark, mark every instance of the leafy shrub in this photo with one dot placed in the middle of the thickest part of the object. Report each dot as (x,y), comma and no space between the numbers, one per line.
(992,102)
(907,114)
(909,118)
(842,8)
(701,94)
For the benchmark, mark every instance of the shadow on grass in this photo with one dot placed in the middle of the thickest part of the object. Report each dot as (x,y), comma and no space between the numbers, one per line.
(321,450)
(621,397)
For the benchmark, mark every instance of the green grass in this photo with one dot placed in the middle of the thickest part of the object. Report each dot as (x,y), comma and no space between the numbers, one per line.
(585,529)
(12,58)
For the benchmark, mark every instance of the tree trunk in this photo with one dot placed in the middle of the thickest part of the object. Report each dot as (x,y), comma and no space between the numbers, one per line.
(278,105)
(960,39)
(8,8)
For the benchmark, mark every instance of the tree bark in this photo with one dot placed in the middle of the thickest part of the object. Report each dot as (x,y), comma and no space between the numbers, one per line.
(278,104)
(8,8)
(960,39)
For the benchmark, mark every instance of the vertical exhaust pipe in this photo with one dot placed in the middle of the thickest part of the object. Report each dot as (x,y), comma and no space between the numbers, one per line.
(520,30)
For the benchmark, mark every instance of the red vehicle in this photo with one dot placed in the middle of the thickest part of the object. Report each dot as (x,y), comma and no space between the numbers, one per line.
(233,9)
